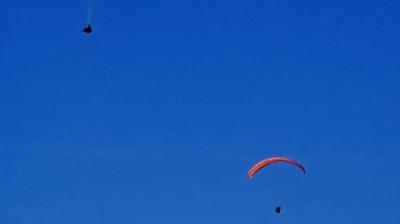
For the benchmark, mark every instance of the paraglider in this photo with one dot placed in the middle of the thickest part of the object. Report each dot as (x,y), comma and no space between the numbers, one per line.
(265,162)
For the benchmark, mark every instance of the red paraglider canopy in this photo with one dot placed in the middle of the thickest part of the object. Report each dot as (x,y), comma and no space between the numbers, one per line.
(265,162)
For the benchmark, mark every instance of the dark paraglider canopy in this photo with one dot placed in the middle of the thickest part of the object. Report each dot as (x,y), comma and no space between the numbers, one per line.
(87,29)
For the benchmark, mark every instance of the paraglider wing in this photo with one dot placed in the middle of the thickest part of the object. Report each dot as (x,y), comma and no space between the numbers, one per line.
(263,163)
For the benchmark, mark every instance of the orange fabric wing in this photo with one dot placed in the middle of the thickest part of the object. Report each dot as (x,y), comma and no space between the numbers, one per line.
(265,162)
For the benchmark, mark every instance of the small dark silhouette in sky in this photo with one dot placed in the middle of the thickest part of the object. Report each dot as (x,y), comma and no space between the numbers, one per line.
(278,209)
(87,29)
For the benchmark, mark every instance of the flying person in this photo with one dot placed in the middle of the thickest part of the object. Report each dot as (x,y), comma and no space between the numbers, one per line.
(278,209)
(88,29)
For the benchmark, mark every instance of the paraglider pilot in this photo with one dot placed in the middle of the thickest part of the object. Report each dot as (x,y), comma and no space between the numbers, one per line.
(278,209)
(87,29)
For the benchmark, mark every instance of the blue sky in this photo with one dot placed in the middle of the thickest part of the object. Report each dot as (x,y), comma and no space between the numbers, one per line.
(159,113)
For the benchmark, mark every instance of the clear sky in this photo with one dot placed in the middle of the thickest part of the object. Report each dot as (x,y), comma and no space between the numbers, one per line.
(158,114)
